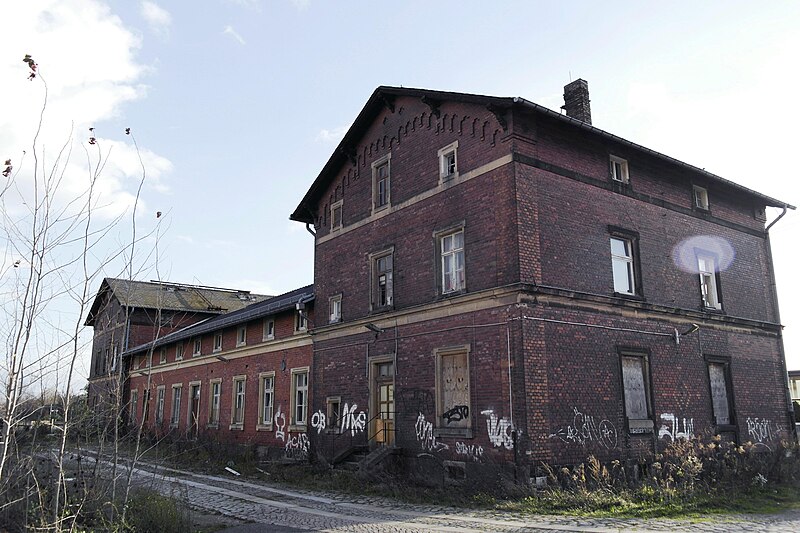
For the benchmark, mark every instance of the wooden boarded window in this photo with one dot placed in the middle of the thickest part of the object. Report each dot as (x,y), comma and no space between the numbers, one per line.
(453,387)
(720,400)
(634,379)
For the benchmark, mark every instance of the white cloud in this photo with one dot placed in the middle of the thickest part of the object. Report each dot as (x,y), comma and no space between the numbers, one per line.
(331,136)
(233,33)
(156,17)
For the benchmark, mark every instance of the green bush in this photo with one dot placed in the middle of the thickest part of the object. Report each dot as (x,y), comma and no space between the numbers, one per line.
(149,511)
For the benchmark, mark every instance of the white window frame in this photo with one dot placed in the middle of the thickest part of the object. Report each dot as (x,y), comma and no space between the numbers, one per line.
(217,342)
(179,348)
(456,283)
(375,280)
(376,166)
(161,392)
(236,397)
(175,414)
(337,224)
(136,360)
(133,406)
(266,410)
(627,261)
(619,169)
(445,172)
(197,346)
(333,411)
(709,284)
(241,336)
(214,402)
(335,308)
(295,423)
(300,322)
(700,197)
(162,355)
(269,329)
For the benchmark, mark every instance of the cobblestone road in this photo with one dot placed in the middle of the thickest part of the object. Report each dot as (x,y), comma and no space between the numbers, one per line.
(261,503)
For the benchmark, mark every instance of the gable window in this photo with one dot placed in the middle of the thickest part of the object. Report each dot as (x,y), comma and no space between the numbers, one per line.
(719,379)
(266,398)
(237,406)
(381,183)
(160,393)
(451,253)
(700,195)
(709,282)
(382,269)
(448,162)
(636,390)
(175,416)
(218,342)
(133,405)
(241,336)
(335,304)
(269,329)
(299,399)
(336,215)
(179,352)
(215,392)
(162,355)
(452,390)
(625,261)
(619,169)
(196,350)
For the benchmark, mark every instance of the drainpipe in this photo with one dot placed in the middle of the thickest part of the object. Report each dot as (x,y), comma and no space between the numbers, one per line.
(312,232)
(774,290)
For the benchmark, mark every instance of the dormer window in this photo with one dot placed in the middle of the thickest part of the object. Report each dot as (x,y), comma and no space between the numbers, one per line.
(619,169)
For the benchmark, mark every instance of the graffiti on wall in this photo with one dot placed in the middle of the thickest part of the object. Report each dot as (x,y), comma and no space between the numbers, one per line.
(318,421)
(585,429)
(470,451)
(280,425)
(456,414)
(296,446)
(761,430)
(676,428)
(426,436)
(355,422)
(499,430)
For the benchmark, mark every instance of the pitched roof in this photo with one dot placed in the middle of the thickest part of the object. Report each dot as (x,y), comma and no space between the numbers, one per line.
(169,296)
(254,311)
(384,96)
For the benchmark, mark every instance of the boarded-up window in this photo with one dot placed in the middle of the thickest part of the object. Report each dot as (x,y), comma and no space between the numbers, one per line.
(454,404)
(719,393)
(634,380)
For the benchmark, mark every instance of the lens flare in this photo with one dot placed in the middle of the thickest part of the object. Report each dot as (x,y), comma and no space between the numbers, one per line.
(684,255)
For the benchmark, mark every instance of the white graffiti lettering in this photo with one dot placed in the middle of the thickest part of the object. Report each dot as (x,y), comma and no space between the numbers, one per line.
(585,428)
(761,430)
(473,452)
(499,430)
(352,421)
(297,446)
(280,425)
(318,421)
(426,436)
(676,428)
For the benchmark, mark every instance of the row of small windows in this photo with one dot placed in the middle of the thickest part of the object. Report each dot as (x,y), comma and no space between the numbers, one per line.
(381,181)
(619,172)
(452,278)
(300,325)
(298,412)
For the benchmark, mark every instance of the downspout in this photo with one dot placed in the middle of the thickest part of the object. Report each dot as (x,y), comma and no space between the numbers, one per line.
(774,289)
(312,232)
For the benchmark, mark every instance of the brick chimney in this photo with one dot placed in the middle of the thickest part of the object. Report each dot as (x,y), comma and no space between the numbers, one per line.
(576,101)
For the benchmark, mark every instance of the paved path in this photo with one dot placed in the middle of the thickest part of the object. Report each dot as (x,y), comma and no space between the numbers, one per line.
(278,509)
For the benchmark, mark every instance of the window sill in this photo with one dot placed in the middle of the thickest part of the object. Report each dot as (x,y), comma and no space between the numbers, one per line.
(236,427)
(265,339)
(726,428)
(632,297)
(641,427)
(715,310)
(173,425)
(464,433)
(264,427)
(241,344)
(450,294)
(212,426)
(298,428)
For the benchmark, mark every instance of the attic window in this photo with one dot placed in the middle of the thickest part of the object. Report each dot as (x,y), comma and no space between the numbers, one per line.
(336,215)
(619,169)
(700,198)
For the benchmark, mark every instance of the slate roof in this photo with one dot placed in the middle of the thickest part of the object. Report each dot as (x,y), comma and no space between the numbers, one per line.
(254,311)
(384,96)
(169,296)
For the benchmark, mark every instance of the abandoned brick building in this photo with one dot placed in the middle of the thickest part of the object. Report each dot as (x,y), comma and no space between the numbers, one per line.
(495,283)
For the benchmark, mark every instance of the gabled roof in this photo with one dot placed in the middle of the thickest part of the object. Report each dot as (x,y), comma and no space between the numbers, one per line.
(168,296)
(254,311)
(384,96)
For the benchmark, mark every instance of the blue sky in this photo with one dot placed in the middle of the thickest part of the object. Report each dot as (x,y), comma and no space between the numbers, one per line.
(237,104)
